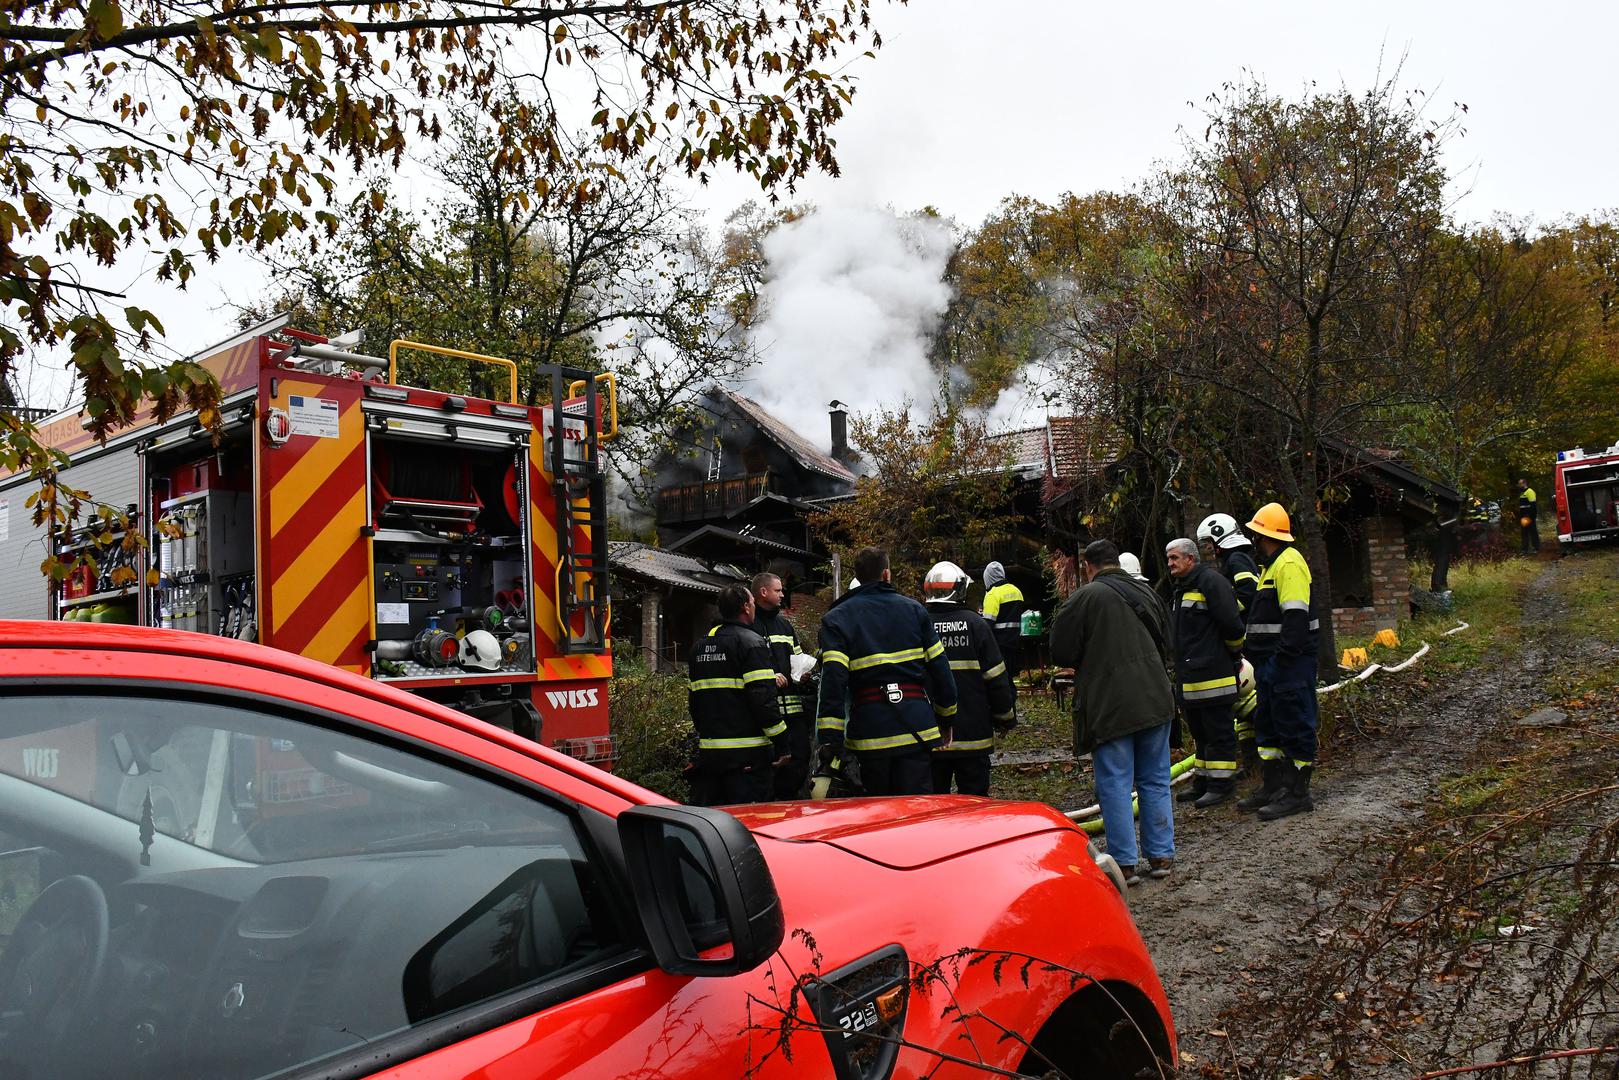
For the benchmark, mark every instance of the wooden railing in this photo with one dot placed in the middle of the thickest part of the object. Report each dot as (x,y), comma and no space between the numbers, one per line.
(709,499)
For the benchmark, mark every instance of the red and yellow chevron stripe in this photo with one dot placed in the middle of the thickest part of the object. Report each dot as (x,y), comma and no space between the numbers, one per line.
(314,560)
(548,636)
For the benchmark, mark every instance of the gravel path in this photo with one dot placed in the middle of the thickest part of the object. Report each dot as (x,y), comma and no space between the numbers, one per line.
(1234,915)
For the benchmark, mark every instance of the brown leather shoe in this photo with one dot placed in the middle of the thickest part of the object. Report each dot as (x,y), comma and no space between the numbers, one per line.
(1159,868)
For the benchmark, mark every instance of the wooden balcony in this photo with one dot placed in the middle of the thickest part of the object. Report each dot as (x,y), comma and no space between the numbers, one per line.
(710,500)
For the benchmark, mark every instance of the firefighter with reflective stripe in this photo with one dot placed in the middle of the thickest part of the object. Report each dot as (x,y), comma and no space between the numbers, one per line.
(882,663)
(732,698)
(1528,517)
(1221,538)
(770,624)
(985,701)
(1003,607)
(1208,636)
(1282,628)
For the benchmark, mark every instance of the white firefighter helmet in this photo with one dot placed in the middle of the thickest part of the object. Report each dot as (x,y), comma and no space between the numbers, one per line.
(480,650)
(1245,679)
(1131,565)
(1223,531)
(945,583)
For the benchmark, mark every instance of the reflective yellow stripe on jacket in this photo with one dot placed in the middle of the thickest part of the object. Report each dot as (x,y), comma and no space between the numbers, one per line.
(923,736)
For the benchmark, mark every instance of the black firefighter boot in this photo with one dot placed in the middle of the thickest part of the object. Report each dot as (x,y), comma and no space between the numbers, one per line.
(1295,799)
(1274,783)
(1220,790)
(1194,790)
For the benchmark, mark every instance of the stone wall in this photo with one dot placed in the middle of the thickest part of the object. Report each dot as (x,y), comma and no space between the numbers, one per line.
(1391,581)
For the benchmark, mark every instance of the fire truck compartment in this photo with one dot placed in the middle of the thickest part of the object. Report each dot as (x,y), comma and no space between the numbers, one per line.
(1593,496)
(449,556)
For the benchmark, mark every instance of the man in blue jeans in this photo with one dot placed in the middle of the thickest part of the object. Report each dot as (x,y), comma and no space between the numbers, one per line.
(1112,632)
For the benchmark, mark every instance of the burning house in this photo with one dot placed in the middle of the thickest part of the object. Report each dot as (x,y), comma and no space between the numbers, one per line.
(738,501)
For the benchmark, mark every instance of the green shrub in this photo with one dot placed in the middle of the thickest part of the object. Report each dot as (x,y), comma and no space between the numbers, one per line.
(652,734)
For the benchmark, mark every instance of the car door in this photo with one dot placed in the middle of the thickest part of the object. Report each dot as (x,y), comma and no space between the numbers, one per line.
(310,878)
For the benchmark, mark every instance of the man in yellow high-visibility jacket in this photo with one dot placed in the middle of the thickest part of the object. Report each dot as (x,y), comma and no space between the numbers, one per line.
(1281,643)
(1003,607)
(1528,515)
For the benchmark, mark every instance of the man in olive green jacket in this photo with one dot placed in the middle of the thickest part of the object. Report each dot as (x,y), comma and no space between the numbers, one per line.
(1112,632)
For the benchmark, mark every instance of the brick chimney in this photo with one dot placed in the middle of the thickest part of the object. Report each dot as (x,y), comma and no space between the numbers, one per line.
(840,431)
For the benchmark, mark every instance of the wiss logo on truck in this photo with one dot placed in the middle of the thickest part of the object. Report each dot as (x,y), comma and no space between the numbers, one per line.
(449,544)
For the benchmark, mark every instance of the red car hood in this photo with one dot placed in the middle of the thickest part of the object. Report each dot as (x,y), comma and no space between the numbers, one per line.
(902,833)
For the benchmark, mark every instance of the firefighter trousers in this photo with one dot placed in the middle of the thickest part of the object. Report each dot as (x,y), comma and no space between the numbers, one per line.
(1285,719)
(909,773)
(1215,738)
(969,771)
(722,782)
(789,779)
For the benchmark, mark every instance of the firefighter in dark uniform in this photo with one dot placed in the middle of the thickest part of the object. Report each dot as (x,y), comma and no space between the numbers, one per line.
(770,624)
(1003,607)
(1282,629)
(985,702)
(732,698)
(882,663)
(1208,636)
(1221,539)
(1528,517)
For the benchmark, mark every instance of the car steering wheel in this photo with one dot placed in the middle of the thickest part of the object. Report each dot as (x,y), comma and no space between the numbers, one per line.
(53,966)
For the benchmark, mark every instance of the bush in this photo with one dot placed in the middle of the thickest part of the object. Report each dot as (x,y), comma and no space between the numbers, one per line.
(653,737)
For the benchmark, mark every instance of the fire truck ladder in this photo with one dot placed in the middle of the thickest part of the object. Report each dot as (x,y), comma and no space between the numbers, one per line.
(580,485)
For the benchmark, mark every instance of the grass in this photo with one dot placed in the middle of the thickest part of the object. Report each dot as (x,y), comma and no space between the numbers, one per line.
(1588,586)
(1488,596)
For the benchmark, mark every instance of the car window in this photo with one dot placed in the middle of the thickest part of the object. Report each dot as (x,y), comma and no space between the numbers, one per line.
(239,892)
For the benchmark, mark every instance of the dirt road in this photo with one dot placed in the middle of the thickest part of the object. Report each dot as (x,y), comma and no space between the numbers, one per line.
(1237,927)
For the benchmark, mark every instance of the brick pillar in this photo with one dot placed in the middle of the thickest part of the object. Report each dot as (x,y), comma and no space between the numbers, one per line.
(1391,574)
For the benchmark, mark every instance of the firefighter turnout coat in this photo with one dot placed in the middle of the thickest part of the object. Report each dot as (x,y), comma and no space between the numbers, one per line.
(984,693)
(1242,572)
(1208,634)
(732,697)
(1282,619)
(886,687)
(778,634)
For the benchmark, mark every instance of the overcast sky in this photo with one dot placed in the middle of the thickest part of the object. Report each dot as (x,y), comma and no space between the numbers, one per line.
(970,101)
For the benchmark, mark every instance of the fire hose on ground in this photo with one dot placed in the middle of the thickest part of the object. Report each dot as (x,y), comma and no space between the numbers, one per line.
(1088,817)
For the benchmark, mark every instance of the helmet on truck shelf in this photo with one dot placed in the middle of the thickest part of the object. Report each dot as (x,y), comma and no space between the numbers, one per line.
(480,650)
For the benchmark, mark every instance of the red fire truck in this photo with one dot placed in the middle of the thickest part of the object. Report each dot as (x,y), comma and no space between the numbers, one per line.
(1587,492)
(450,544)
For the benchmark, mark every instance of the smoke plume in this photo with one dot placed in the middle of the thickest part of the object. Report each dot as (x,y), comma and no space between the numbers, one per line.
(852,298)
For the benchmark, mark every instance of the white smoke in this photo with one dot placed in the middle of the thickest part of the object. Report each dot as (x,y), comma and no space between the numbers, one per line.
(1036,393)
(852,297)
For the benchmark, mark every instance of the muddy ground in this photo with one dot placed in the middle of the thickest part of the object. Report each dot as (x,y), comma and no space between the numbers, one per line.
(1239,931)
